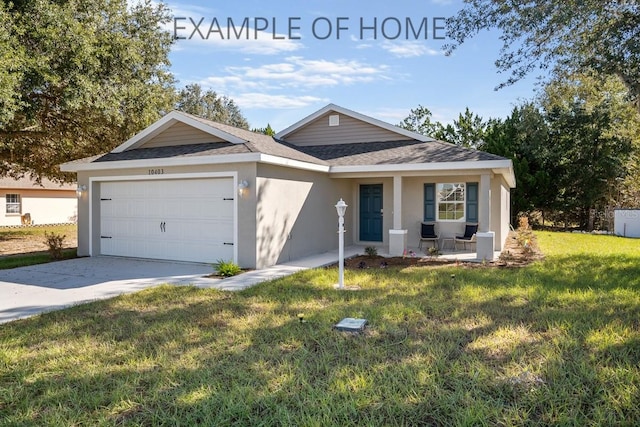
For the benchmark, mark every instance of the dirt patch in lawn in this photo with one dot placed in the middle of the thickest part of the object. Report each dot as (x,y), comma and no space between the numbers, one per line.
(521,249)
(15,241)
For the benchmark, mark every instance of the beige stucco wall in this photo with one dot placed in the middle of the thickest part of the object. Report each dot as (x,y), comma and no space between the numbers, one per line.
(44,206)
(505,211)
(295,213)
(246,204)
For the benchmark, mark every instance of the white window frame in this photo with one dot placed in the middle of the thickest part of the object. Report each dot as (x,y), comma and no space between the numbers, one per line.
(440,188)
(15,202)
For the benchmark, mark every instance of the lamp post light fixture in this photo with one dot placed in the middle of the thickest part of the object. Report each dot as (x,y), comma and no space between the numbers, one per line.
(341,208)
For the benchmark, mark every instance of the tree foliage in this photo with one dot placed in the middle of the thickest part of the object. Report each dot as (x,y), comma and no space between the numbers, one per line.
(575,150)
(467,131)
(523,138)
(77,78)
(267,131)
(420,121)
(574,35)
(208,104)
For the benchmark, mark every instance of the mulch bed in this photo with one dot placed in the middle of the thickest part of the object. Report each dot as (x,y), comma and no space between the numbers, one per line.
(513,255)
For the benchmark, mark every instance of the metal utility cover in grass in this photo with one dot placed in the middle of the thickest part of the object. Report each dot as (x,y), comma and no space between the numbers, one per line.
(349,324)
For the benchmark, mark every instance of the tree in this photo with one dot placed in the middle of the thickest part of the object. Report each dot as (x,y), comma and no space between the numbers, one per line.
(467,131)
(522,137)
(419,121)
(83,76)
(207,104)
(267,131)
(589,157)
(575,35)
(592,91)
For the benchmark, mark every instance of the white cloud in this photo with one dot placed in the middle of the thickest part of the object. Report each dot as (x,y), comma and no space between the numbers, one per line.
(296,72)
(264,100)
(409,49)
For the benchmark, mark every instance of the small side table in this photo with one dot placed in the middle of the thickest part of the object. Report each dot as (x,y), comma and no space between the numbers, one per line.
(451,240)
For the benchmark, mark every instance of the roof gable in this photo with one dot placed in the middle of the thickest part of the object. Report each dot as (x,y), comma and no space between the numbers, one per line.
(173,124)
(180,133)
(337,125)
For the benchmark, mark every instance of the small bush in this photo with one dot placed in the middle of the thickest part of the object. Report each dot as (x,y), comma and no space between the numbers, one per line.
(227,268)
(371,251)
(433,252)
(55,243)
(523,223)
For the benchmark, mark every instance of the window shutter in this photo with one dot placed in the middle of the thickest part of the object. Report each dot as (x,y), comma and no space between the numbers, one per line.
(429,202)
(472,202)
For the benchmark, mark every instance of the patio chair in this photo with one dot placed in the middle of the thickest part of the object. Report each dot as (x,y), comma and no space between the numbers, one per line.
(428,234)
(469,236)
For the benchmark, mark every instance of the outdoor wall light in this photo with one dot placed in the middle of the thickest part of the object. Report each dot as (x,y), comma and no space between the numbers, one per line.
(81,189)
(242,187)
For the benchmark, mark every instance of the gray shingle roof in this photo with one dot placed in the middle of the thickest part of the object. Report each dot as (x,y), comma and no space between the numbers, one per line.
(355,154)
(190,150)
(395,152)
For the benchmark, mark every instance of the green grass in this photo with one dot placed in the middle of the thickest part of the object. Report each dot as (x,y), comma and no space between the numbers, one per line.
(555,343)
(8,236)
(8,233)
(13,261)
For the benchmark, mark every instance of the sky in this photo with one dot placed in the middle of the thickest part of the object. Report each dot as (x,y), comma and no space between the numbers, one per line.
(283,60)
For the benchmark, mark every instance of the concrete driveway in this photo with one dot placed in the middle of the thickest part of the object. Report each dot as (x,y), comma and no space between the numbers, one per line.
(26,291)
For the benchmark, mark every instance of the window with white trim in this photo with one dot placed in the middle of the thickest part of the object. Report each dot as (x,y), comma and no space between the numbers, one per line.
(13,204)
(451,200)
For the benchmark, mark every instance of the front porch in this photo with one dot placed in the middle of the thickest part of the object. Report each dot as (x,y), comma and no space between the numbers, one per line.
(461,255)
(388,212)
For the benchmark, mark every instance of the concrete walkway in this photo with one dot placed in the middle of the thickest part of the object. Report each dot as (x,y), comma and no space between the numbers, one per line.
(27,291)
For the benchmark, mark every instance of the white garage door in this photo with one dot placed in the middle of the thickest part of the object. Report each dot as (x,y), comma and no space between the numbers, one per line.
(182,220)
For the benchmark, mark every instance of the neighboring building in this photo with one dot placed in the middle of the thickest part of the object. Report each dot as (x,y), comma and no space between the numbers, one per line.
(626,222)
(191,189)
(25,201)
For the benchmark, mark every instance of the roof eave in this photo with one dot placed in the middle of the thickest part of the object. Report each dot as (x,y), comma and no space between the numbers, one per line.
(502,167)
(193,161)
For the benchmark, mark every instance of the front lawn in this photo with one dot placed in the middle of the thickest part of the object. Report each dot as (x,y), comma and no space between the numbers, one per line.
(556,342)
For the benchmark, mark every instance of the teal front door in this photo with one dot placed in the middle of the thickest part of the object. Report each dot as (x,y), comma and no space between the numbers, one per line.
(371,213)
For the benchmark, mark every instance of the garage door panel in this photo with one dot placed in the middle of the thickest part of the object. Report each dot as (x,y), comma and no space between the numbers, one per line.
(185,220)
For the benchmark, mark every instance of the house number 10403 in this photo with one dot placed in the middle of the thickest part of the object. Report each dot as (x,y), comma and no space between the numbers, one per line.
(156,171)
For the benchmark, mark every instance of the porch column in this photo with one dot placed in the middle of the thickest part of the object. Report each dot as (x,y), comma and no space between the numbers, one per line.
(397,202)
(397,236)
(484,237)
(484,203)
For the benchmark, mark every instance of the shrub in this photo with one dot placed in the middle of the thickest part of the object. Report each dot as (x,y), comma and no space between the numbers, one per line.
(55,243)
(227,268)
(371,251)
(433,252)
(523,223)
